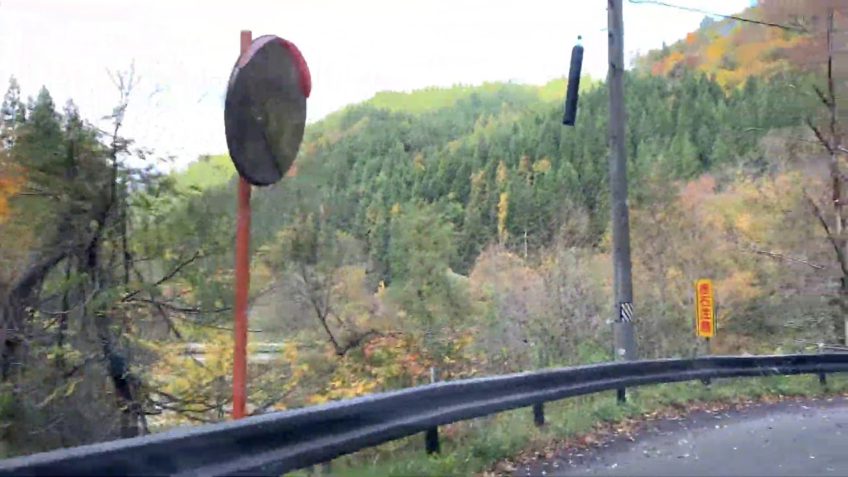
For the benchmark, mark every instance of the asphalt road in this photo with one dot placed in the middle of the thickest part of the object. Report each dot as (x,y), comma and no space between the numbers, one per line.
(807,438)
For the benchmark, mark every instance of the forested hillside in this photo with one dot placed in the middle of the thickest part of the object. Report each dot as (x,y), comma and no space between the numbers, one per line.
(462,229)
(500,167)
(782,36)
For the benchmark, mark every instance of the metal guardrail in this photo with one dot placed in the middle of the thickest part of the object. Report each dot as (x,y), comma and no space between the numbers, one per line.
(278,442)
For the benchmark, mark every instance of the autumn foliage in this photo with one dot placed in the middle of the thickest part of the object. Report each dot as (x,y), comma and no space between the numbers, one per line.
(11,181)
(433,235)
(9,186)
(734,51)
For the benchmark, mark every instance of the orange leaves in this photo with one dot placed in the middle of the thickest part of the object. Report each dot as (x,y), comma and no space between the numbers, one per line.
(388,361)
(9,186)
(749,53)
(667,64)
(717,231)
(733,52)
(396,356)
(396,360)
(691,38)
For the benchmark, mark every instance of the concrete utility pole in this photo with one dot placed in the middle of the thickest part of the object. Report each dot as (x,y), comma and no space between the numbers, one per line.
(623,332)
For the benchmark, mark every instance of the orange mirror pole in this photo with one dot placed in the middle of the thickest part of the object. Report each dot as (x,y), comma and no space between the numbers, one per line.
(242,282)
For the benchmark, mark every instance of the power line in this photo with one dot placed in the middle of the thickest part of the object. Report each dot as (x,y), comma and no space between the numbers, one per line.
(730,17)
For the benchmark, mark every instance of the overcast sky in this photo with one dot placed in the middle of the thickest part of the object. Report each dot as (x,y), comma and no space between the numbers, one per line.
(184,50)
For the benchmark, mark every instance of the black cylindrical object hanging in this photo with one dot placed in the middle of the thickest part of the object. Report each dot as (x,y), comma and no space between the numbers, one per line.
(573,84)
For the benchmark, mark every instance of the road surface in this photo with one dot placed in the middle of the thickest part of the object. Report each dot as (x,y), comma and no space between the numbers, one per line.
(807,437)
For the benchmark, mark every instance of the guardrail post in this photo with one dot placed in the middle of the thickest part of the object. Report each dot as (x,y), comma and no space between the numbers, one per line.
(539,414)
(431,437)
(822,376)
(431,441)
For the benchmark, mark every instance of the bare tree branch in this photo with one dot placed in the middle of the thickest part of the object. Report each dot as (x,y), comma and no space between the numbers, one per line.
(179,308)
(824,142)
(167,276)
(781,256)
(320,308)
(211,325)
(824,99)
(831,238)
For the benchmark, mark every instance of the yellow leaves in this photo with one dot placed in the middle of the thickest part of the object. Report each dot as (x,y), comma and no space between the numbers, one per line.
(726,79)
(542,166)
(674,274)
(340,390)
(744,223)
(524,165)
(347,382)
(465,340)
(199,377)
(418,162)
(290,352)
(477,180)
(716,50)
(738,287)
(735,54)
(316,399)
(395,211)
(503,210)
(502,174)
(361,387)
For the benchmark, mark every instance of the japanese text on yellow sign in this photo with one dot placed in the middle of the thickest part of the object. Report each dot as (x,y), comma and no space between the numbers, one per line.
(704,308)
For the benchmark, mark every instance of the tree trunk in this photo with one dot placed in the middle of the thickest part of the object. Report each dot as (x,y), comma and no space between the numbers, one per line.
(525,243)
(841,322)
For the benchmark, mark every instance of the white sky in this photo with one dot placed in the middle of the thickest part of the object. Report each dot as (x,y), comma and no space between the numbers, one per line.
(184,50)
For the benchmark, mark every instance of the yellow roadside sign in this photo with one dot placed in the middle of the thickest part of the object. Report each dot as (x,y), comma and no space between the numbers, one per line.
(704,308)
